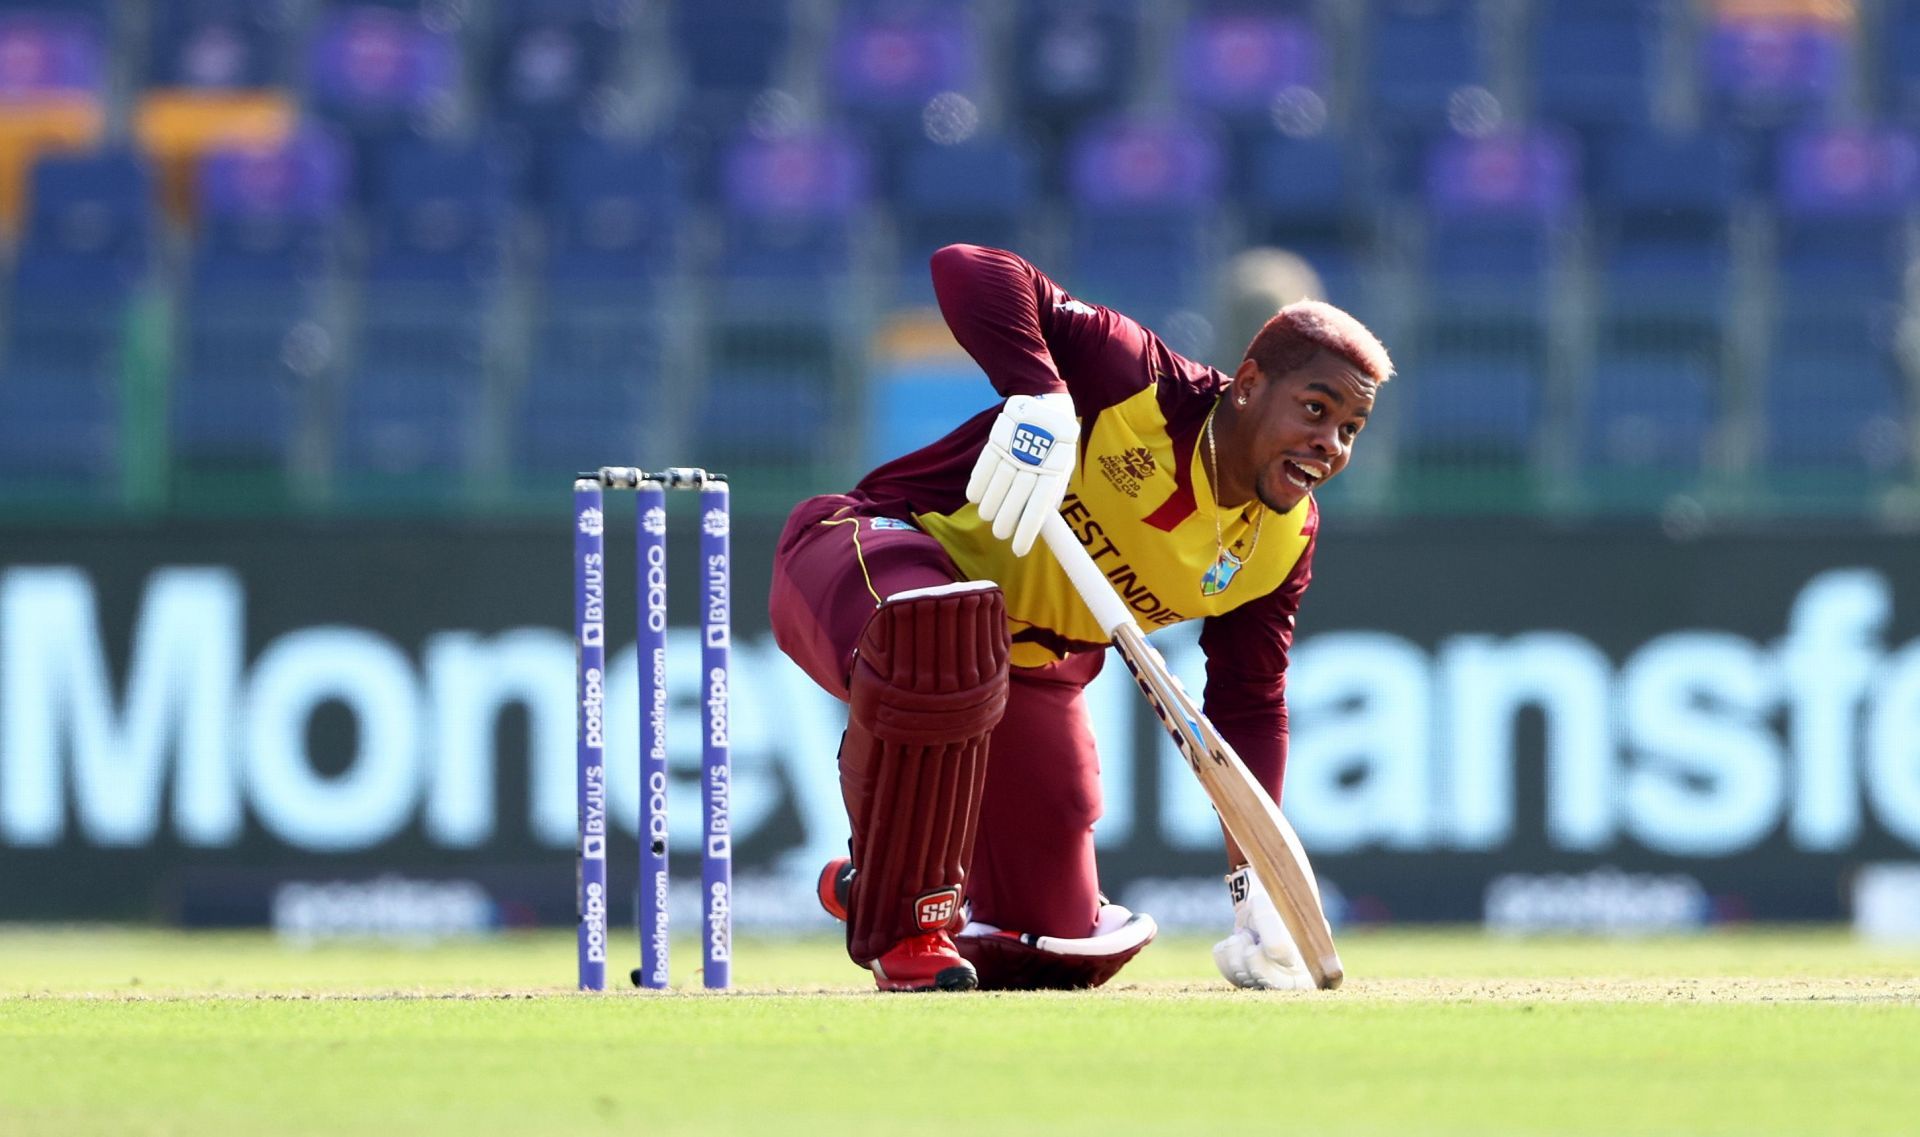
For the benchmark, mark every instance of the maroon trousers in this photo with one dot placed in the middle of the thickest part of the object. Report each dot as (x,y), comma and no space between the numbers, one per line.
(1033,861)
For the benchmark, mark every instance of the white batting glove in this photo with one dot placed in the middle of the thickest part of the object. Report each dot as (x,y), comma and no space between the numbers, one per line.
(1021,475)
(1260,952)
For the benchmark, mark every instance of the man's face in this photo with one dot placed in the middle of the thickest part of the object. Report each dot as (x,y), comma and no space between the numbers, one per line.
(1297,430)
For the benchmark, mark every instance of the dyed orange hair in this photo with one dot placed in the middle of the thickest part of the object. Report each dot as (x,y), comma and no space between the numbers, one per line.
(1288,340)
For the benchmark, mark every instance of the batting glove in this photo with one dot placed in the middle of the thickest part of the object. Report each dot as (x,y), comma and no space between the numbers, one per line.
(1021,475)
(1260,952)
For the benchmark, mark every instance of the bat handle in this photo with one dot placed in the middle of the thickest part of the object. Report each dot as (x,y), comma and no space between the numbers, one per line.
(1092,585)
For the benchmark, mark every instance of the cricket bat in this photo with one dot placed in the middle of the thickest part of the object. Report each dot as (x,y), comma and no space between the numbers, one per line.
(1246,809)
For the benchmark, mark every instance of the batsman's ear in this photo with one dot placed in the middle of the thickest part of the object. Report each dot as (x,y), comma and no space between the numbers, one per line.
(1247,379)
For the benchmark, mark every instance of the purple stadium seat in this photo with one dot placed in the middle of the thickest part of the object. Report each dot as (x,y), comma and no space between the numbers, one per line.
(305,179)
(900,60)
(801,176)
(1849,171)
(1235,63)
(1148,164)
(49,53)
(1146,192)
(1517,175)
(370,63)
(1769,72)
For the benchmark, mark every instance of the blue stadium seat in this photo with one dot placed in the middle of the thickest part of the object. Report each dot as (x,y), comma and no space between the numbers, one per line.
(887,63)
(382,71)
(1647,412)
(1662,216)
(1073,60)
(1418,53)
(1496,207)
(218,44)
(1844,196)
(603,325)
(253,349)
(1478,409)
(760,416)
(1146,196)
(982,192)
(88,229)
(1767,73)
(412,400)
(792,214)
(594,383)
(1835,393)
(270,217)
(244,378)
(1593,62)
(1899,62)
(791,278)
(1236,64)
(84,253)
(616,212)
(1835,409)
(1314,197)
(553,64)
(440,212)
(60,397)
(53,50)
(731,51)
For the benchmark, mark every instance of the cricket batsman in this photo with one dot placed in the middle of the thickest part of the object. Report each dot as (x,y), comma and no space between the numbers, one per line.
(968,766)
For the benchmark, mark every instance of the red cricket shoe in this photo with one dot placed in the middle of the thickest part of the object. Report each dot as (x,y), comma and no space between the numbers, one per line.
(835,885)
(926,962)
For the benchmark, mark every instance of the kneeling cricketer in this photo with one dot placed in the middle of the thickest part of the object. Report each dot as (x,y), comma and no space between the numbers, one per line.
(968,766)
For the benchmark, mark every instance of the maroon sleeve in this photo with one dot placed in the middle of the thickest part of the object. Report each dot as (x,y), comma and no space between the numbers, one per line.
(1031,338)
(1246,652)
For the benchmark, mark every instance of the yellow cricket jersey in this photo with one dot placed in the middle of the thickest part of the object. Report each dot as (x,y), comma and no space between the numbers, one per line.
(1136,503)
(1140,498)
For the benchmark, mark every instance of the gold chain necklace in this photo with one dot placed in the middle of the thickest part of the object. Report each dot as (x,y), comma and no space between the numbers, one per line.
(1213,472)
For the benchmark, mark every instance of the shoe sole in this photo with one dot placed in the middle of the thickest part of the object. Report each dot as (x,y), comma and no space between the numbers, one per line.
(946,979)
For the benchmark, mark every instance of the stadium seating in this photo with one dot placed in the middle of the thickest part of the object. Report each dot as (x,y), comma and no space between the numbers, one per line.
(1244,66)
(731,51)
(1495,207)
(210,45)
(605,373)
(412,401)
(1419,54)
(1592,64)
(1835,391)
(1315,196)
(1899,59)
(793,284)
(982,191)
(1649,412)
(85,255)
(1640,244)
(555,65)
(1073,61)
(1146,194)
(255,342)
(889,63)
(1770,72)
(1662,243)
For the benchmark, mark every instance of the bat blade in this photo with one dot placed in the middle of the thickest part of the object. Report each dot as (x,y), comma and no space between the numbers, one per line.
(1245,808)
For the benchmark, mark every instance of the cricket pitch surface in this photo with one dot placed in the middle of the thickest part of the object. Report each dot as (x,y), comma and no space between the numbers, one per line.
(1765,1031)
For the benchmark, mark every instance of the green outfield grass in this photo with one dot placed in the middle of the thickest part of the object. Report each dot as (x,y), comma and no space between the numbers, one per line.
(123,1033)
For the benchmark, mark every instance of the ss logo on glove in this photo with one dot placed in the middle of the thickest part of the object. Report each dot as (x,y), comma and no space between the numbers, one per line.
(1031,444)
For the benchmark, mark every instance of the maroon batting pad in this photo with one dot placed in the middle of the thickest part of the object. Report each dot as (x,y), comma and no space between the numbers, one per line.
(929,683)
